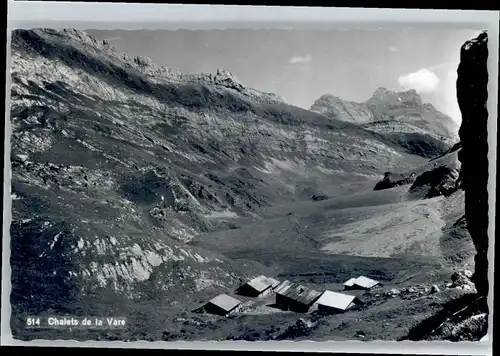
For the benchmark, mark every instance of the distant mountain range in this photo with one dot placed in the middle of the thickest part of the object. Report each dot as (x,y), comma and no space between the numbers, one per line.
(391,112)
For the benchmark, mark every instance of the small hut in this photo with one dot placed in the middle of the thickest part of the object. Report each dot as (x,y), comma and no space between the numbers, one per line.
(361,282)
(260,286)
(222,305)
(335,303)
(290,296)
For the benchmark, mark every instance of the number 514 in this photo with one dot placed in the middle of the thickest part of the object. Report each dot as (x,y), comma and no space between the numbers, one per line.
(33,322)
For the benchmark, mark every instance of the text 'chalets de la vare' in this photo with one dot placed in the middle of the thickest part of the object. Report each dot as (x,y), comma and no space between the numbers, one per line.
(76,322)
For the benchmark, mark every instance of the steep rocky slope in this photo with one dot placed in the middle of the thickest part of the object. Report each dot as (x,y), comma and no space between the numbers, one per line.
(125,175)
(401,117)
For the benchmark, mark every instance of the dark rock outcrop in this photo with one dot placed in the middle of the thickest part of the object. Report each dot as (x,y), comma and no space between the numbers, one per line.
(460,279)
(390,181)
(472,95)
(439,181)
(465,330)
(301,328)
(319,197)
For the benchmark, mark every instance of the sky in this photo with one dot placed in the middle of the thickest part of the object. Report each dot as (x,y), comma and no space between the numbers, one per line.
(302,65)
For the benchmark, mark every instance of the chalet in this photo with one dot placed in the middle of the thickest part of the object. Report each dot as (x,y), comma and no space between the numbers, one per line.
(334,303)
(222,305)
(258,287)
(360,283)
(290,296)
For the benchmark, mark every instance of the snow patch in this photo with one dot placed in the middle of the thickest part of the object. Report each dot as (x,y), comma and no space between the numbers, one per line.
(222,214)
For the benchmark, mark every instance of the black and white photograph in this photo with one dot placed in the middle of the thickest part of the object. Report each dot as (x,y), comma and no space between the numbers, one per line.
(249,184)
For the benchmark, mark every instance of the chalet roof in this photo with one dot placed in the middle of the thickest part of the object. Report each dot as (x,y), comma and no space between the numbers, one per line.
(261,283)
(361,281)
(225,302)
(366,282)
(298,293)
(274,282)
(335,300)
(350,282)
(283,286)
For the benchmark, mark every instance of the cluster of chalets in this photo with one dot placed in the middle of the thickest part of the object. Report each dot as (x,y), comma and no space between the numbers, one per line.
(291,296)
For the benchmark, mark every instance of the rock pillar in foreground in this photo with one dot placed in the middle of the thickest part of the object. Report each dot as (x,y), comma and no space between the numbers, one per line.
(472,95)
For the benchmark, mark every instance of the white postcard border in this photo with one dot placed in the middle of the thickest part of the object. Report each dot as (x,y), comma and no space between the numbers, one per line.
(197,17)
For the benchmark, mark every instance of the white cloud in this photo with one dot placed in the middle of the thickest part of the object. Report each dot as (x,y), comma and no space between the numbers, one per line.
(300,59)
(392,49)
(423,81)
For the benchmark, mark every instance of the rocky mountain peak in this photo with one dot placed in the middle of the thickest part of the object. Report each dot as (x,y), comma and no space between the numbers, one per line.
(330,97)
(225,78)
(411,95)
(82,37)
(334,107)
(143,61)
(408,96)
(221,77)
(327,98)
(381,92)
(479,40)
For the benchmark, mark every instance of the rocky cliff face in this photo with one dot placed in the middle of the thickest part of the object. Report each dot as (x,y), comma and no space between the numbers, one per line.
(335,107)
(398,116)
(472,94)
